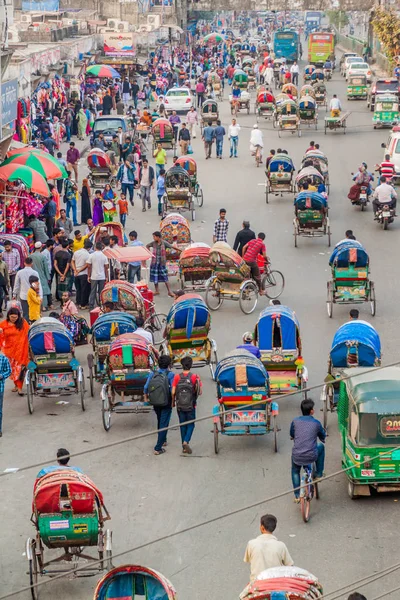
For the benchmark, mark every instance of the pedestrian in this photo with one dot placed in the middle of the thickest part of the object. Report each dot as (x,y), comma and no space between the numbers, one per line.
(266,551)
(157,391)
(127,148)
(22,285)
(221,227)
(33,299)
(126,91)
(305,432)
(134,91)
(39,229)
(98,266)
(86,204)
(208,138)
(160,191)
(161,158)
(62,267)
(186,388)
(134,268)
(41,265)
(82,123)
(294,71)
(49,212)
(200,89)
(12,259)
(243,237)
(175,121)
(50,144)
(63,163)
(73,157)
(99,142)
(219,134)
(146,183)
(115,147)
(70,191)
(80,270)
(123,209)
(233,136)
(158,266)
(184,139)
(68,124)
(107,103)
(14,344)
(63,222)
(4,281)
(192,120)
(126,177)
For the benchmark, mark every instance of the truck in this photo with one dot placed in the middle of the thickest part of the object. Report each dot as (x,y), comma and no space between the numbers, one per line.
(313,20)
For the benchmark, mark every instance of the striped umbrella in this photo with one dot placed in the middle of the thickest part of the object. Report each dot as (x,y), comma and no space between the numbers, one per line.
(43,163)
(102,71)
(34,181)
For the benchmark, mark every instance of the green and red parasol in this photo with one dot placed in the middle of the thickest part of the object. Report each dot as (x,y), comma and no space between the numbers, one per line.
(102,71)
(34,181)
(43,163)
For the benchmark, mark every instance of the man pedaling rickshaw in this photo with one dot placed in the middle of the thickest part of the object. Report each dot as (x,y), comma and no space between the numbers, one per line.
(250,252)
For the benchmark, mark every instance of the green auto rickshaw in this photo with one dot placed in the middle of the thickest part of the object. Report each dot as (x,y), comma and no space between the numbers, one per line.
(386,113)
(357,87)
(369,425)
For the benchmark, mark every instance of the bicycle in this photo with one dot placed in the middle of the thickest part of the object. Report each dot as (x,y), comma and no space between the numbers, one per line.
(272,281)
(308,489)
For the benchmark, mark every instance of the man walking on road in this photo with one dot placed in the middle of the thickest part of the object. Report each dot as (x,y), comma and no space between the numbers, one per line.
(266,551)
(294,71)
(233,136)
(186,387)
(208,138)
(146,184)
(157,391)
(219,134)
(221,227)
(184,139)
(243,237)
(73,157)
(192,120)
(97,264)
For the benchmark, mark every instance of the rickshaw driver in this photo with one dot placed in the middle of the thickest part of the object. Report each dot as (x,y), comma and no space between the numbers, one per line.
(236,94)
(63,457)
(250,252)
(248,345)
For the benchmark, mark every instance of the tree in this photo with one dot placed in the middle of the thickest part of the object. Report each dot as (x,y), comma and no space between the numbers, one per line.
(386,25)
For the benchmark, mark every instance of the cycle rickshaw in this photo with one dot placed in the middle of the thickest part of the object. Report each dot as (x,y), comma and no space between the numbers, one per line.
(311,218)
(265,105)
(308,111)
(194,267)
(132,582)
(279,176)
(163,133)
(189,164)
(175,229)
(289,117)
(209,113)
(178,197)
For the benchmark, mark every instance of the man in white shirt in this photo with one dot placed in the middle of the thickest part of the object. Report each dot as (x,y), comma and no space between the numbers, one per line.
(265,551)
(335,106)
(22,286)
(294,71)
(80,268)
(384,194)
(97,264)
(233,136)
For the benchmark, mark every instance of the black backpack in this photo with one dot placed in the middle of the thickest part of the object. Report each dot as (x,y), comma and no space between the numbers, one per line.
(159,392)
(184,393)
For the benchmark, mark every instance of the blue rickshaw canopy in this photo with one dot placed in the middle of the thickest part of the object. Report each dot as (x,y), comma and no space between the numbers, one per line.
(349,251)
(288,323)
(311,200)
(359,334)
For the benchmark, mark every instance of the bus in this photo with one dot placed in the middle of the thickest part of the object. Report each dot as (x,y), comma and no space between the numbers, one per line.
(313,20)
(321,46)
(286,44)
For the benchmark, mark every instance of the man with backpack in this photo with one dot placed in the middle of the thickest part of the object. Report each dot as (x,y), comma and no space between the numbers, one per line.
(157,391)
(186,387)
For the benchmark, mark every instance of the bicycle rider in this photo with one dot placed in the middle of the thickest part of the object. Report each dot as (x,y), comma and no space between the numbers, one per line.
(305,431)
(250,253)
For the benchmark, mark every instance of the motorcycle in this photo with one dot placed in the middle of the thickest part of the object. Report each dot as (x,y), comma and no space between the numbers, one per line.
(328,74)
(385,215)
(358,195)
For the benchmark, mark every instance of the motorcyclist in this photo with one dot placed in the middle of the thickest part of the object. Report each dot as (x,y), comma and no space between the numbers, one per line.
(384,194)
(256,139)
(327,65)
(248,345)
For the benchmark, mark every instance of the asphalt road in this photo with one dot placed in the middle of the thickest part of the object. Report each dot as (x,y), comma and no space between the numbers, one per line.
(150,496)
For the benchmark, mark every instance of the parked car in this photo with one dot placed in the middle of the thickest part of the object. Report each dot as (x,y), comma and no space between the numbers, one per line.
(357,68)
(347,61)
(392,147)
(390,85)
(108,125)
(179,99)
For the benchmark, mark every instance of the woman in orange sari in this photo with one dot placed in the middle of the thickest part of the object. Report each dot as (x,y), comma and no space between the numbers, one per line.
(14,344)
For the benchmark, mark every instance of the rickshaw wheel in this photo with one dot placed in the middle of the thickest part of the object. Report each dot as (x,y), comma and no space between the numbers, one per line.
(266,192)
(216,440)
(91,375)
(213,361)
(108,548)
(106,408)
(81,385)
(29,395)
(193,214)
(213,294)
(329,236)
(329,301)
(275,434)
(156,325)
(273,284)
(33,572)
(248,291)
(372,298)
(328,402)
(200,197)
(295,236)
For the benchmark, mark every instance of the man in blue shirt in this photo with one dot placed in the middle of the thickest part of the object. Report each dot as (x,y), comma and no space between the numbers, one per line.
(62,460)
(163,412)
(219,133)
(134,268)
(305,432)
(248,345)
(208,138)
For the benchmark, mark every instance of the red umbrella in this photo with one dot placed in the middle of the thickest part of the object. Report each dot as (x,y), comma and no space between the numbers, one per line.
(33,180)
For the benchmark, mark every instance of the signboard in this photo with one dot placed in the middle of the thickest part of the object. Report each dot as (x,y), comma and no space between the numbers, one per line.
(40,5)
(9,98)
(118,43)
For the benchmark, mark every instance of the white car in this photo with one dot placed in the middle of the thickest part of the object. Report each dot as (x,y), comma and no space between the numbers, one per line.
(359,69)
(393,149)
(348,61)
(179,99)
